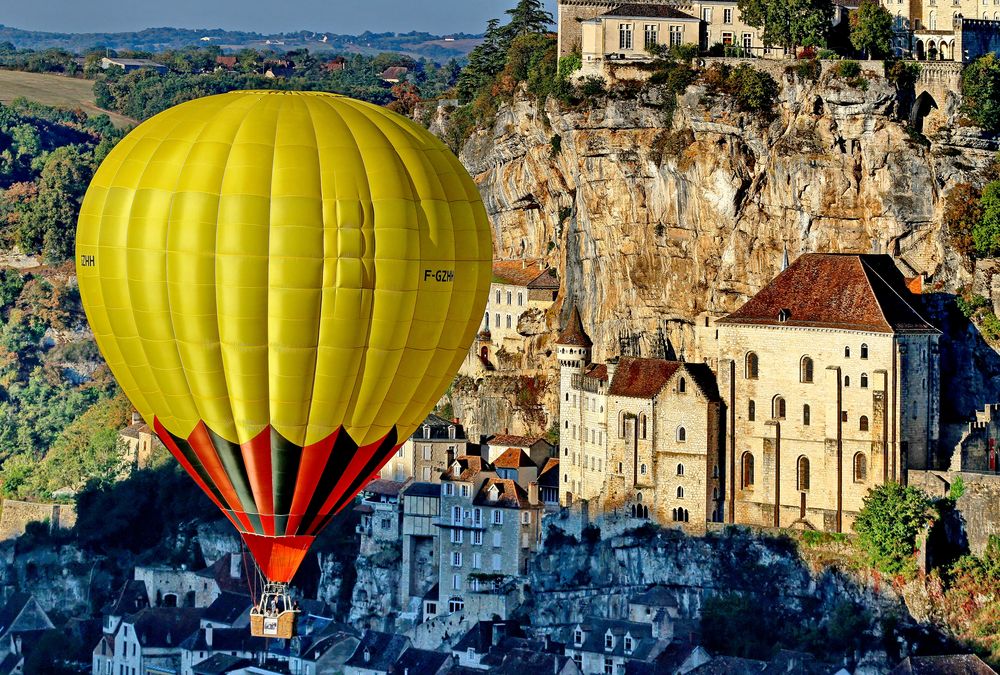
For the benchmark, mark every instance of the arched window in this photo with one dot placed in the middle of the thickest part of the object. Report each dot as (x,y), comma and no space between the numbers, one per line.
(715,493)
(642,469)
(860,468)
(806,415)
(847,352)
(864,380)
(685,511)
(752,366)
(864,350)
(847,380)
(751,410)
(682,386)
(778,408)
(863,423)
(747,464)
(642,424)
(802,481)
(680,469)
(673,514)
(681,435)
(680,492)
(567,396)
(806,369)
(715,471)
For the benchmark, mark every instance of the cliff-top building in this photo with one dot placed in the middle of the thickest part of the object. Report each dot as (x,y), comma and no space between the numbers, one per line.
(831,385)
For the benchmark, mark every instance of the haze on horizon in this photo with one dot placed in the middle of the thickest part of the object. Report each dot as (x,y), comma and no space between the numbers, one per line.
(434,16)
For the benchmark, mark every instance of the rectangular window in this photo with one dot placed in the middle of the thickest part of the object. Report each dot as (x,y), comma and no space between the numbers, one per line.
(497,517)
(427,452)
(465,490)
(625,36)
(520,299)
(456,536)
(727,39)
(477,561)
(427,473)
(498,296)
(456,515)
(477,516)
(456,559)
(676,35)
(477,537)
(497,562)
(508,297)
(651,35)
(456,582)
(747,42)
(727,15)
(526,518)
(508,321)
(706,14)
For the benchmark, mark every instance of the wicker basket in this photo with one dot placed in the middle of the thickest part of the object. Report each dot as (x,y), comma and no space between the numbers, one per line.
(281,625)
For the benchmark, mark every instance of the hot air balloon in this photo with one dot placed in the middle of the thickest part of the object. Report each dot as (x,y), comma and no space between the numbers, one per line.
(284,284)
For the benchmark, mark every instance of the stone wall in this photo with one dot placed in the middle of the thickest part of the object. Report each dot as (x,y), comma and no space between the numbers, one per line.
(979,506)
(17,514)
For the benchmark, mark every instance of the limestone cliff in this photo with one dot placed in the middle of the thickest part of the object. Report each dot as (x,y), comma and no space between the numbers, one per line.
(653,221)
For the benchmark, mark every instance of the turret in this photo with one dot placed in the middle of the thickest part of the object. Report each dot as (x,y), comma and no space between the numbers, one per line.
(574,345)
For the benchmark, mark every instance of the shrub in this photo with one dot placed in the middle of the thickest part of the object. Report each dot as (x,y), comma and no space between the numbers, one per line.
(592,86)
(755,90)
(827,54)
(848,69)
(962,212)
(981,92)
(569,64)
(986,233)
(555,144)
(902,74)
(591,534)
(970,308)
(957,489)
(807,53)
(888,524)
(806,70)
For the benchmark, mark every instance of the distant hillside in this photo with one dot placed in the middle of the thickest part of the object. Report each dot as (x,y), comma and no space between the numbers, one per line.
(436,47)
(56,90)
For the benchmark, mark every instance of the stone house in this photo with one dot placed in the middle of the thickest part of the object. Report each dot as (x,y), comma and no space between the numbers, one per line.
(536,447)
(169,587)
(139,443)
(427,452)
(381,518)
(489,528)
(149,638)
(376,654)
(22,623)
(421,507)
(599,646)
(830,378)
(641,436)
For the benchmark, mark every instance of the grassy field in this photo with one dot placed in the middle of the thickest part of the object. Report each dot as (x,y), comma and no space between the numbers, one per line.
(54,90)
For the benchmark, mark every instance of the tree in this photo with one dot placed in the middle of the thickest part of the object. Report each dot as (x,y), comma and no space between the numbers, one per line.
(986,233)
(529,16)
(962,215)
(887,525)
(485,62)
(49,226)
(981,92)
(871,29)
(789,23)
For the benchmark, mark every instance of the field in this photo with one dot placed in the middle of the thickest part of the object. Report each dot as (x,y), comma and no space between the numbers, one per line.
(54,90)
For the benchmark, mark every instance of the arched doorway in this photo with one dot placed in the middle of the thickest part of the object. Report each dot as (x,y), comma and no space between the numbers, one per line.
(945,49)
(920,109)
(919,49)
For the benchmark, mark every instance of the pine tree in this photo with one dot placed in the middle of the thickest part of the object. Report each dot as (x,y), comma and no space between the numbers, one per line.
(529,16)
(485,62)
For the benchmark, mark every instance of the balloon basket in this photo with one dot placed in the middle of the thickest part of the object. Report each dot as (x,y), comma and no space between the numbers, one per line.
(275,615)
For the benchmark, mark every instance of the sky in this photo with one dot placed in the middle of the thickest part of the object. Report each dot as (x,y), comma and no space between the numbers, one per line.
(264,16)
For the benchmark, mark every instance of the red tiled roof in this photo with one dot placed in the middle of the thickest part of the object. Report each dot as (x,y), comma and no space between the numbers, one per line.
(845,291)
(363,508)
(512,441)
(227,61)
(573,333)
(511,495)
(549,475)
(547,280)
(598,371)
(520,273)
(380,486)
(470,465)
(394,72)
(641,378)
(513,458)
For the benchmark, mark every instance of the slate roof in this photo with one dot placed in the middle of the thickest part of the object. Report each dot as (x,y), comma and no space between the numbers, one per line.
(648,11)
(513,458)
(421,661)
(217,664)
(341,642)
(471,465)
(657,596)
(480,637)
(843,291)
(641,378)
(227,608)
(547,280)
(439,430)
(952,664)
(10,663)
(224,640)
(434,593)
(166,626)
(383,649)
(729,665)
(522,661)
(511,495)
(594,630)
(422,489)
(220,572)
(668,661)
(12,609)
(387,488)
(573,333)
(549,474)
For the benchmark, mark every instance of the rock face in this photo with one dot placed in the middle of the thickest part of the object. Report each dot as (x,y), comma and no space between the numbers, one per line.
(651,221)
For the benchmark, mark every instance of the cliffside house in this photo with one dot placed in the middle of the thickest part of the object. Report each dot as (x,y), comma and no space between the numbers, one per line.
(427,452)
(831,381)
(639,436)
(381,516)
(607,645)
(169,587)
(421,507)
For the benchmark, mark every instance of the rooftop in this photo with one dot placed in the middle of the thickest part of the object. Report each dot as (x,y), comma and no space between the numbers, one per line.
(549,474)
(512,441)
(378,651)
(951,664)
(469,468)
(573,334)
(513,458)
(836,290)
(509,494)
(648,11)
(422,490)
(528,273)
(386,488)
(166,626)
(641,378)
(421,661)
(228,608)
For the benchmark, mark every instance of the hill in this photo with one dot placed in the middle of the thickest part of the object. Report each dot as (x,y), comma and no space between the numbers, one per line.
(435,47)
(55,90)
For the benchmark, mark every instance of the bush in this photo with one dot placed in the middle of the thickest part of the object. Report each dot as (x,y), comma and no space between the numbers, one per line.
(986,232)
(981,92)
(827,54)
(569,64)
(806,70)
(848,69)
(888,524)
(592,86)
(555,145)
(957,489)
(807,53)
(970,308)
(591,534)
(902,74)
(755,90)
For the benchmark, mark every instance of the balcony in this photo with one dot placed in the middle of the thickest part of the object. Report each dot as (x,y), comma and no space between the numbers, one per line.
(589,384)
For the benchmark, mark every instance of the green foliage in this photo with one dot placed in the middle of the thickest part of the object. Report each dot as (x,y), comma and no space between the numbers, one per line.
(970,308)
(592,86)
(737,625)
(753,90)
(986,233)
(485,62)
(981,92)
(806,69)
(888,524)
(789,23)
(569,64)
(962,215)
(528,17)
(53,654)
(902,74)
(871,29)
(957,489)
(848,69)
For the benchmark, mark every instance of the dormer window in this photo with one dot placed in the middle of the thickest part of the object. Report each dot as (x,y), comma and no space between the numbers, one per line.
(427,431)
(578,637)
(451,431)
(629,644)
(492,493)
(456,469)
(609,640)
(784,315)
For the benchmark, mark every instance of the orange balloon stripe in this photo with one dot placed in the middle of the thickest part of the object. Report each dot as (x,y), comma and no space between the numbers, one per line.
(201,443)
(257,460)
(314,460)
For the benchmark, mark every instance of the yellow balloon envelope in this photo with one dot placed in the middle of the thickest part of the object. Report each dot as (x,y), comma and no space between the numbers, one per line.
(283,283)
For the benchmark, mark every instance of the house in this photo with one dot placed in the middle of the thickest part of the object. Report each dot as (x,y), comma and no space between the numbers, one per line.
(421,506)
(548,483)
(394,74)
(428,451)
(831,381)
(139,443)
(335,64)
(535,447)
(477,642)
(151,638)
(168,587)
(423,662)
(324,650)
(376,654)
(606,645)
(209,641)
(226,62)
(21,614)
(128,65)
(951,664)
(229,610)
(381,518)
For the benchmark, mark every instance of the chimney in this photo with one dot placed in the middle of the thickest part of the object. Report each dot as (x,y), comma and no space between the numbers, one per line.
(234,565)
(208,635)
(533,492)
(499,632)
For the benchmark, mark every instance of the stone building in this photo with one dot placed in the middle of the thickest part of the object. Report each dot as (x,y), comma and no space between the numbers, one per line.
(421,508)
(381,517)
(489,528)
(606,645)
(520,294)
(639,435)
(535,447)
(150,638)
(138,444)
(831,384)
(427,452)
(978,450)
